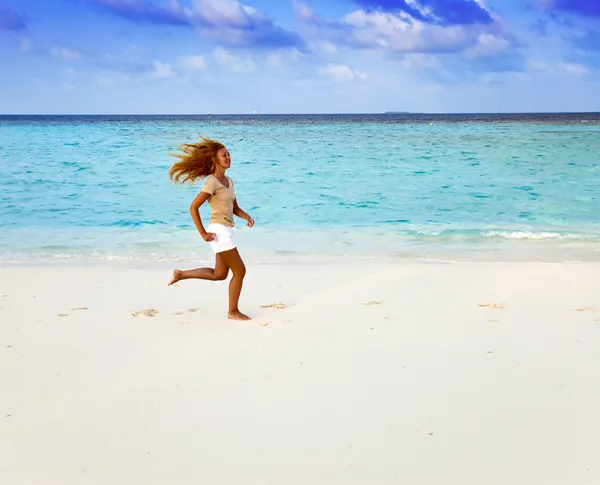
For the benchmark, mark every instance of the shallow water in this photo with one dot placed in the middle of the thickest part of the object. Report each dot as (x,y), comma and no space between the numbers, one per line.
(450,187)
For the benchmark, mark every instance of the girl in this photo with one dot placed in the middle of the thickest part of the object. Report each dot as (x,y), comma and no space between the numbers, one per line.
(210,159)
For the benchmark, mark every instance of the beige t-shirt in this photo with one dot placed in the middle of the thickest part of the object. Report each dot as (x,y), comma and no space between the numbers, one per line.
(220,200)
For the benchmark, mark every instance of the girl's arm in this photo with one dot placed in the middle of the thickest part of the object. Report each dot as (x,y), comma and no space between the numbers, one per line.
(237,210)
(195,211)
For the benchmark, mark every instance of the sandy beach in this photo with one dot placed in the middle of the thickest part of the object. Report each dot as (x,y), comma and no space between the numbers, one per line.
(412,373)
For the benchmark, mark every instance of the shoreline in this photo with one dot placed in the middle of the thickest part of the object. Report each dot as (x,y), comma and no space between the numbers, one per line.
(533,254)
(268,246)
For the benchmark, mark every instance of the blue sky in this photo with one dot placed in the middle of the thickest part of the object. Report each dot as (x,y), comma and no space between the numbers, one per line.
(299,56)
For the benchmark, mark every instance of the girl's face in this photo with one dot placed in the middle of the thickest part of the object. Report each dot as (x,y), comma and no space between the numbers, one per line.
(223,159)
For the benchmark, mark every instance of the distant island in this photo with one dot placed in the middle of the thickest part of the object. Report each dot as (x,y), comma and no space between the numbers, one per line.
(397,113)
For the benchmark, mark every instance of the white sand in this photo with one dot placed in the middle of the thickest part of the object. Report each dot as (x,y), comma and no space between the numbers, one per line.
(426,387)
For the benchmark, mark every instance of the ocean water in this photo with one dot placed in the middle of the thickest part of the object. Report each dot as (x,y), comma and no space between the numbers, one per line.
(434,187)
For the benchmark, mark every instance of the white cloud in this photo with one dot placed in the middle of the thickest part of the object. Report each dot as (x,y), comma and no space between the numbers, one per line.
(275,59)
(282,57)
(26,45)
(574,69)
(400,32)
(560,68)
(342,73)
(328,48)
(538,65)
(228,13)
(420,61)
(64,53)
(228,61)
(422,9)
(303,11)
(487,45)
(205,14)
(228,22)
(162,70)
(192,63)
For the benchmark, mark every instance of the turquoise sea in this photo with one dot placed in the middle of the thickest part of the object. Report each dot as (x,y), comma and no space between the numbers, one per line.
(434,187)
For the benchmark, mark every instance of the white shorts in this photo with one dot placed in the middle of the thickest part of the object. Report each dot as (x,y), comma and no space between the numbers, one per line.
(224,239)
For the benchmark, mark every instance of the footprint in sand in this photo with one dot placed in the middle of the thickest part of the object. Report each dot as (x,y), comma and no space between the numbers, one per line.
(494,306)
(587,309)
(286,321)
(149,312)
(492,321)
(178,313)
(63,314)
(79,309)
(276,306)
(192,310)
(372,303)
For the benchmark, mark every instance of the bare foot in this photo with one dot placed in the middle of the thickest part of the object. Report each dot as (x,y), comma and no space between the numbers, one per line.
(176,277)
(238,315)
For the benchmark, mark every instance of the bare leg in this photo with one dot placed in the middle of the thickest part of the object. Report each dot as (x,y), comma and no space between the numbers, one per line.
(219,272)
(234,261)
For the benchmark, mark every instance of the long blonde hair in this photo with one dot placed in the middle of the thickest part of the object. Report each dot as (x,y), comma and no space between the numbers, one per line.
(196,162)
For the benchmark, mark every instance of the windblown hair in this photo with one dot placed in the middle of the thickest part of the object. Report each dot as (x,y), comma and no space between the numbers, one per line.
(196,162)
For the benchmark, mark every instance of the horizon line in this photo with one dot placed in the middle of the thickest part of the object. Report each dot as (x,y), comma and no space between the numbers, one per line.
(309,114)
